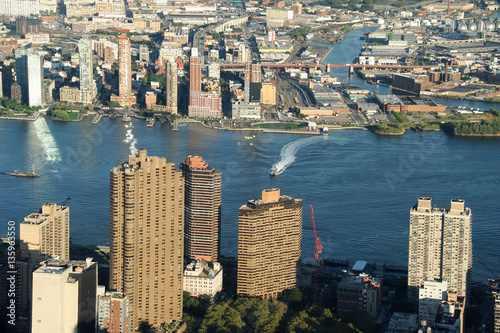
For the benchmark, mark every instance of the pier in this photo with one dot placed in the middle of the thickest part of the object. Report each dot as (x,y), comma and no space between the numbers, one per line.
(97,118)
(150,122)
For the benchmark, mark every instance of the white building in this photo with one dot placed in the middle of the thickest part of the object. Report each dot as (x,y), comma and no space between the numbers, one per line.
(246,110)
(29,73)
(430,296)
(48,6)
(203,278)
(19,7)
(214,70)
(64,297)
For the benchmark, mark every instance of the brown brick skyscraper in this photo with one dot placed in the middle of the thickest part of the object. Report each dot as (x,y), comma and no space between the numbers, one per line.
(125,96)
(202,209)
(146,237)
(269,245)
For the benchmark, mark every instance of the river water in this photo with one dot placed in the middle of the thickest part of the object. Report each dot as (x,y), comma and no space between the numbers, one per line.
(362,186)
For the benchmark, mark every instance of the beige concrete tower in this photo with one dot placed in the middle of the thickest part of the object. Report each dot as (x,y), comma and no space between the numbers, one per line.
(125,96)
(202,209)
(269,245)
(46,233)
(146,237)
(440,247)
(64,297)
(171,86)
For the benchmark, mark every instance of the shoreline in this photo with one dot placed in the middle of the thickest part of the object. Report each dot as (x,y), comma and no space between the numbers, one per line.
(265,130)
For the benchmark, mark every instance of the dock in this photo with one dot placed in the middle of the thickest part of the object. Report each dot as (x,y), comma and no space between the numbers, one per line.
(150,122)
(97,118)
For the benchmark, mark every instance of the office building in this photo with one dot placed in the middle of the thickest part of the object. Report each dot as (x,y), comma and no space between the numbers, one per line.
(29,72)
(46,233)
(64,297)
(113,312)
(269,245)
(125,96)
(203,278)
(246,110)
(194,74)
(171,86)
(202,209)
(440,247)
(146,237)
(360,292)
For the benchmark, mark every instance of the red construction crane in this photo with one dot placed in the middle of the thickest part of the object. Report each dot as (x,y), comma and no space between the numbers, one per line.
(317,250)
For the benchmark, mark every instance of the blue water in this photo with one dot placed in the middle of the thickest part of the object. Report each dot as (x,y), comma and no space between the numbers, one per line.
(362,186)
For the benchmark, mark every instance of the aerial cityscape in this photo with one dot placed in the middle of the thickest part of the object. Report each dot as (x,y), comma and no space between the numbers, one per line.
(249,166)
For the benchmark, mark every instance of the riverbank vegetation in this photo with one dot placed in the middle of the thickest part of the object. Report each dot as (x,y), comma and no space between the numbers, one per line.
(10,104)
(388,129)
(61,115)
(480,128)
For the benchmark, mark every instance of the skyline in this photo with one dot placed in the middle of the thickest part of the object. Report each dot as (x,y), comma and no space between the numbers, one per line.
(167,122)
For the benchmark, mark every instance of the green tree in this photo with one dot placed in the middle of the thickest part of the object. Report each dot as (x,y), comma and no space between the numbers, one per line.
(221,318)
(60,115)
(360,319)
(295,299)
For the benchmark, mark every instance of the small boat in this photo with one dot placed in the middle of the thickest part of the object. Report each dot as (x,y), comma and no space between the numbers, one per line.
(18,173)
(126,118)
(325,130)
(273,171)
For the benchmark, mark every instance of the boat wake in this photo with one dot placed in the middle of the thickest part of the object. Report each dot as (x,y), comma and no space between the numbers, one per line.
(47,140)
(289,151)
(130,139)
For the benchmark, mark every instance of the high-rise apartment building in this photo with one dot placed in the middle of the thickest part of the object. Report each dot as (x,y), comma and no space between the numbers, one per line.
(29,73)
(194,74)
(113,313)
(496,315)
(202,209)
(253,82)
(146,237)
(87,86)
(171,86)
(269,245)
(125,96)
(99,46)
(440,247)
(297,8)
(46,233)
(64,297)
